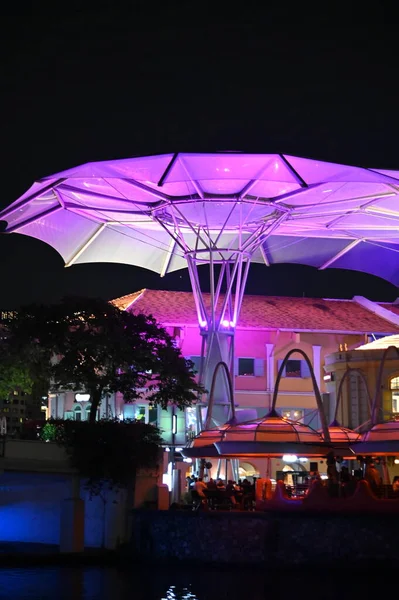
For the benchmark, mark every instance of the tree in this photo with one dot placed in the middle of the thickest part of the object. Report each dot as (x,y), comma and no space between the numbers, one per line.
(16,373)
(90,345)
(107,454)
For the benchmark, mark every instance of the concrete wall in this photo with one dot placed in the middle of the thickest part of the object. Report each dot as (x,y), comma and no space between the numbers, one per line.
(31,505)
(30,510)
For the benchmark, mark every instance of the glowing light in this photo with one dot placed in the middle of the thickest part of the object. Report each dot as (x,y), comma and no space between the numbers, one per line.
(225,323)
(178,449)
(187,460)
(167,449)
(396,461)
(174,424)
(232,324)
(202,323)
(82,397)
(303,459)
(290,458)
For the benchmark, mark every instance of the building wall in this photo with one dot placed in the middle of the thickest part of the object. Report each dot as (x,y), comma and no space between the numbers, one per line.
(354,405)
(270,347)
(253,393)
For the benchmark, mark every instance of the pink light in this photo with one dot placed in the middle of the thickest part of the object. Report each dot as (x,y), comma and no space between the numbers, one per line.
(232,324)
(225,323)
(202,323)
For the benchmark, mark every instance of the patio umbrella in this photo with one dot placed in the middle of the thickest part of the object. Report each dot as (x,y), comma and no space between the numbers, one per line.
(340,434)
(173,211)
(381,440)
(270,436)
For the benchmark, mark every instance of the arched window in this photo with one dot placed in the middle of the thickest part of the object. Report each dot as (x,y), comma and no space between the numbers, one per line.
(87,411)
(395,394)
(77,413)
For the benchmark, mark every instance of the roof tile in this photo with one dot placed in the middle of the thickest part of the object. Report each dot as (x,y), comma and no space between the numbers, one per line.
(269,312)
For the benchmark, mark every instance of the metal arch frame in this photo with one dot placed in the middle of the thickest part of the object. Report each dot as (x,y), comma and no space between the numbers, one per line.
(220,365)
(377,408)
(345,376)
(316,390)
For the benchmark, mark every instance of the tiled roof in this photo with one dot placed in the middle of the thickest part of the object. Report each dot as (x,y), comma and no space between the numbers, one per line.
(390,306)
(270,312)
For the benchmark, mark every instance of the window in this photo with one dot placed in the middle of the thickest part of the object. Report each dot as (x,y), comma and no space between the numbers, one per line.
(152,415)
(253,367)
(15,392)
(139,413)
(395,394)
(295,368)
(77,413)
(246,366)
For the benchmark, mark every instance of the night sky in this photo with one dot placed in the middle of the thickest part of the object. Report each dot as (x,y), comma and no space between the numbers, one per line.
(87,85)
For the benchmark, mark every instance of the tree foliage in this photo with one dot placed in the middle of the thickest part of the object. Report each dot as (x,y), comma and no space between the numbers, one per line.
(106,453)
(90,345)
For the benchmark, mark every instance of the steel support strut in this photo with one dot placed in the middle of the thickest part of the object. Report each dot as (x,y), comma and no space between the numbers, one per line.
(218,313)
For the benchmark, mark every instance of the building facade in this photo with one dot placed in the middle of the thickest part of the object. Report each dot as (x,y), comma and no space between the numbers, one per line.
(355,376)
(268,328)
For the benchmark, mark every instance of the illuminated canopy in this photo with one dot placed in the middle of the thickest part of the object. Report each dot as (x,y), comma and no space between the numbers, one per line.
(272,435)
(381,440)
(155,211)
(340,434)
(172,211)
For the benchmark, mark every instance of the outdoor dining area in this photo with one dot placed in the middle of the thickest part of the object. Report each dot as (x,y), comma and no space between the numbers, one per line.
(360,465)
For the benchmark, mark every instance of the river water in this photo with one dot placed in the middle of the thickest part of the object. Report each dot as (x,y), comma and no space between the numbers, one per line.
(155,583)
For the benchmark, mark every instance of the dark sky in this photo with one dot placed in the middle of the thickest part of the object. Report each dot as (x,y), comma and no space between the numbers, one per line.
(87,85)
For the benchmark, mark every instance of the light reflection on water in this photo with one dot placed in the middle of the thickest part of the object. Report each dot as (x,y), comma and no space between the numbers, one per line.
(179,583)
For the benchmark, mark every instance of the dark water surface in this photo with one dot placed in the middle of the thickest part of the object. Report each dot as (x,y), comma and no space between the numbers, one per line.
(181,583)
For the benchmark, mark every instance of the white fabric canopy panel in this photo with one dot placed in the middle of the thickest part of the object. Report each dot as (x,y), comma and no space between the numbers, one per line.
(152,211)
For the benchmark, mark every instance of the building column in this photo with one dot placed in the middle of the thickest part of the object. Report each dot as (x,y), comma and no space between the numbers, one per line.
(317,364)
(72,520)
(269,367)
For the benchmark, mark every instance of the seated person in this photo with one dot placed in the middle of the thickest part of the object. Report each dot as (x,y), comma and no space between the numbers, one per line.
(199,487)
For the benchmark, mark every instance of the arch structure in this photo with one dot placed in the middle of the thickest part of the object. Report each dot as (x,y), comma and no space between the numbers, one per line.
(211,400)
(377,410)
(345,376)
(316,389)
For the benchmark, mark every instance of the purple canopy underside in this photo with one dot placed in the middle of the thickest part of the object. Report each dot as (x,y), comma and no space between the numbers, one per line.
(152,211)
